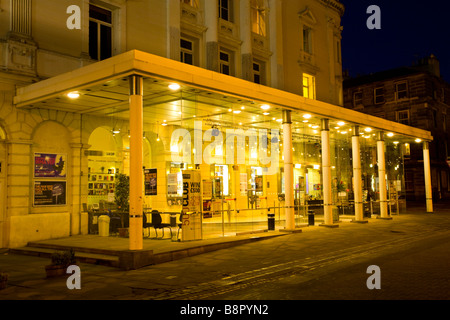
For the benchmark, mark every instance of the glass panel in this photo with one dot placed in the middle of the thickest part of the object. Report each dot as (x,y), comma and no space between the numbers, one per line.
(93,40)
(105,42)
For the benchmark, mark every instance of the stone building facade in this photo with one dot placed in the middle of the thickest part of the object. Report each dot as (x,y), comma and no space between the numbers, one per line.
(415,96)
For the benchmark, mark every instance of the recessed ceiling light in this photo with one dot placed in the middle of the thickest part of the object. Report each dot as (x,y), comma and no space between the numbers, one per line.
(266,113)
(368,129)
(341,123)
(390,134)
(73,95)
(174,86)
(265,107)
(307,116)
(418,140)
(237,111)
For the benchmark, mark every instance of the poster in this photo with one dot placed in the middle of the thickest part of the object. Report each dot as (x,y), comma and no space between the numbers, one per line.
(49,165)
(172,184)
(191,191)
(150,182)
(49,193)
(243,184)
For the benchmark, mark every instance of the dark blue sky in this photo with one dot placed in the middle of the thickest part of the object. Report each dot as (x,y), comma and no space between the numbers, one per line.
(409,30)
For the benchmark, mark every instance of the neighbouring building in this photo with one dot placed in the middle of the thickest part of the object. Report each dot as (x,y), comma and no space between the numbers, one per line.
(416,96)
(224,109)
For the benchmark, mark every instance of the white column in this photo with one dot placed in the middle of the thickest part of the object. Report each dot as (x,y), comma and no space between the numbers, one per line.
(382,175)
(427,171)
(288,170)
(136,162)
(357,185)
(326,174)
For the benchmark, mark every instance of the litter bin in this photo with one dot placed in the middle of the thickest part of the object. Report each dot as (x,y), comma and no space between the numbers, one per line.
(103,226)
(310,217)
(271,221)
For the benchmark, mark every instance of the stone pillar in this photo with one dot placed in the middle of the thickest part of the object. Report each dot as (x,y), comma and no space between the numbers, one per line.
(382,176)
(136,162)
(357,185)
(326,175)
(212,44)
(427,176)
(288,170)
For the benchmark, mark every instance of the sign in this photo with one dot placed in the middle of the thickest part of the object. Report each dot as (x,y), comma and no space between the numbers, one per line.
(49,193)
(191,191)
(49,165)
(150,182)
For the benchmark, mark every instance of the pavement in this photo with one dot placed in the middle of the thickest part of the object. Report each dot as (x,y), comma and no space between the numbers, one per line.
(27,279)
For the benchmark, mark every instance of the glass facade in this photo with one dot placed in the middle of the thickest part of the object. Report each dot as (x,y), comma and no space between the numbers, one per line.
(236,147)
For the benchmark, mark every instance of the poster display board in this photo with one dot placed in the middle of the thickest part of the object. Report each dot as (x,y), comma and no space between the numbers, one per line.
(49,165)
(192,202)
(191,191)
(150,182)
(49,193)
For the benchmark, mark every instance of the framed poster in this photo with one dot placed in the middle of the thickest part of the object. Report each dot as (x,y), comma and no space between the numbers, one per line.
(150,182)
(49,193)
(50,165)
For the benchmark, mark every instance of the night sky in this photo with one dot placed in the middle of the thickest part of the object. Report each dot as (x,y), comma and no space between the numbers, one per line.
(409,31)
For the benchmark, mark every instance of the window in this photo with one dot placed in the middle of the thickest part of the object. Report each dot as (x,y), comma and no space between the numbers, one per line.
(225,10)
(226,62)
(100,33)
(186,51)
(259,72)
(309,90)
(307,39)
(357,98)
(401,90)
(403,117)
(258,17)
(379,95)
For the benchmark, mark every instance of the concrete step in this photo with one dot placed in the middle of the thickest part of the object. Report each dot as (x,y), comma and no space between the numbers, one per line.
(110,260)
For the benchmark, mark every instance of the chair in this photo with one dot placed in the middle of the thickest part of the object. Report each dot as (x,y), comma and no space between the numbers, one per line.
(180,225)
(115,222)
(146,224)
(157,224)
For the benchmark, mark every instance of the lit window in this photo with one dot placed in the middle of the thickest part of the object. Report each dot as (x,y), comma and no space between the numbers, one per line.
(100,33)
(309,90)
(258,17)
(401,90)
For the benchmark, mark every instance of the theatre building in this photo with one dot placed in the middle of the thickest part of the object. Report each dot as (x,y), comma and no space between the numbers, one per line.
(225,111)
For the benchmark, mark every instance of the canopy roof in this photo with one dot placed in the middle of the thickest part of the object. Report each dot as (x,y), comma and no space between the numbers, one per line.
(104,90)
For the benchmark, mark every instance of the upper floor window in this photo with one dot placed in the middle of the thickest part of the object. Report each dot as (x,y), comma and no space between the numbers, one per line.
(258,17)
(357,98)
(403,117)
(259,72)
(307,39)
(226,61)
(379,95)
(225,10)
(186,51)
(100,33)
(309,86)
(401,90)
